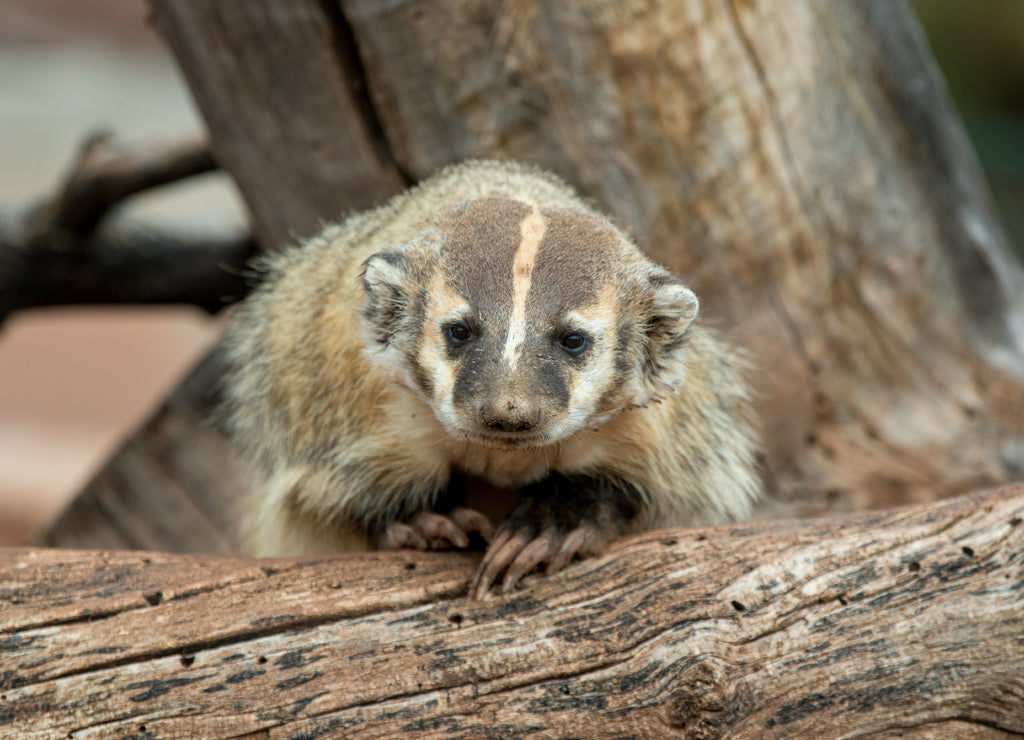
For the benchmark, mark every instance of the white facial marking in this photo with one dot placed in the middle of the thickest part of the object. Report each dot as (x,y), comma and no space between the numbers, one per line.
(532,231)
(586,388)
(445,307)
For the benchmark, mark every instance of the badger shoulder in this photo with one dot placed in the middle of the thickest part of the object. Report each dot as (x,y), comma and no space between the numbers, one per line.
(691,453)
(320,422)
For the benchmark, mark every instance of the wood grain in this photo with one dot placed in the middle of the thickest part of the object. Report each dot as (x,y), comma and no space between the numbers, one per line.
(279,88)
(906,622)
(173,485)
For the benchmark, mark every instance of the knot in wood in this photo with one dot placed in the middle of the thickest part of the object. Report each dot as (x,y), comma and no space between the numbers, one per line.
(697,701)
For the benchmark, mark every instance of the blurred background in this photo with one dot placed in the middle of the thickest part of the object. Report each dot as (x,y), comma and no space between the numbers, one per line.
(75,382)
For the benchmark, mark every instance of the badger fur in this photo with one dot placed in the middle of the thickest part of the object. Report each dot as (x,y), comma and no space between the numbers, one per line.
(489,326)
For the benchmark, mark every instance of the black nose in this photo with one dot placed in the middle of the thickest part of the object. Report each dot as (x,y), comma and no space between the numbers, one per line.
(510,415)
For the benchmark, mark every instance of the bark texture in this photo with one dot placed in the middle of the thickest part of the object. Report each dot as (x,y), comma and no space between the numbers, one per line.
(906,623)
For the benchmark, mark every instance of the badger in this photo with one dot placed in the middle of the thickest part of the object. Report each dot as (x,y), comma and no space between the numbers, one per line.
(486,330)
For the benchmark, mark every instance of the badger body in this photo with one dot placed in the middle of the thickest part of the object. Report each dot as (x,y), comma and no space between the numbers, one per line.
(487,325)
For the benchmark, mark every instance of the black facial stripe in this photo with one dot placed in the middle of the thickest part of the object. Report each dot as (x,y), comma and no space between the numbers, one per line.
(482,376)
(456,349)
(577,256)
(414,316)
(551,377)
(419,374)
(624,351)
(476,364)
(483,239)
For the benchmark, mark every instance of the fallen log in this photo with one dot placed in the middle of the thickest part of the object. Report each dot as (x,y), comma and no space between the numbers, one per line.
(907,622)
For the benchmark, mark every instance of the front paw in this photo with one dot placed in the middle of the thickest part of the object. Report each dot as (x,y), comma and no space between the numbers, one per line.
(519,550)
(431,531)
(550,532)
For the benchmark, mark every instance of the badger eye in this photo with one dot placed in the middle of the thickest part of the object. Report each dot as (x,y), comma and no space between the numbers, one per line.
(574,342)
(458,333)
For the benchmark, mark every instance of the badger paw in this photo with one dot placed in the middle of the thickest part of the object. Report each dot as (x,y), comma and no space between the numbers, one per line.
(431,531)
(518,551)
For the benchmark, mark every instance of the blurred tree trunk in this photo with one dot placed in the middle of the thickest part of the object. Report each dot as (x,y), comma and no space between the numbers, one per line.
(804,170)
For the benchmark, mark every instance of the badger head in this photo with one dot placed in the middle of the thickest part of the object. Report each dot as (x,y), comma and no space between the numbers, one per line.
(522,325)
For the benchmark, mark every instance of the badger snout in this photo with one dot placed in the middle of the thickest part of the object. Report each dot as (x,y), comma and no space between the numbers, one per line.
(510,415)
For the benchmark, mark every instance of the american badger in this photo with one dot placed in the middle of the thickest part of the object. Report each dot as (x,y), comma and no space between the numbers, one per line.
(486,326)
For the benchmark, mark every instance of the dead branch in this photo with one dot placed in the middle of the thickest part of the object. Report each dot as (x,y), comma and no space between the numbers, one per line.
(122,263)
(107,172)
(64,251)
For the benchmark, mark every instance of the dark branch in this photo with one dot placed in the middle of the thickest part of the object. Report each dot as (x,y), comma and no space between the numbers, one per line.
(106,173)
(64,251)
(122,262)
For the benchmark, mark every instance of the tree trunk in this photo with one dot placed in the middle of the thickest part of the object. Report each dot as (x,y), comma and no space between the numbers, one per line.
(803,170)
(901,623)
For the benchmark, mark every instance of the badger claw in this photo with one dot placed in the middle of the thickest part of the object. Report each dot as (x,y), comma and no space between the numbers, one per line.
(471,520)
(517,553)
(558,518)
(431,531)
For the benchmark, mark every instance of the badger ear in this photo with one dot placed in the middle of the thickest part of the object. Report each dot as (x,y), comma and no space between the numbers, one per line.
(385,277)
(393,279)
(671,309)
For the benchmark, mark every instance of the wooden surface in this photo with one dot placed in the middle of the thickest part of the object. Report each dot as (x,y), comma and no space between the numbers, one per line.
(188,470)
(280,89)
(905,623)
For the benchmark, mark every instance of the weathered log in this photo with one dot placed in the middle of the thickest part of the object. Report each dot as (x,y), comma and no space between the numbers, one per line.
(906,623)
(180,453)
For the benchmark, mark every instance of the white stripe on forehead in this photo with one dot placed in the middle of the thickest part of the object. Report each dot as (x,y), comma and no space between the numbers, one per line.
(532,231)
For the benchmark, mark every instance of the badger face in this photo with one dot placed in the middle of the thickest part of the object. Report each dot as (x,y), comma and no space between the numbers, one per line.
(522,325)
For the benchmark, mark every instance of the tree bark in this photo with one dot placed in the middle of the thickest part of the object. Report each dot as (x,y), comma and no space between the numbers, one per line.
(904,623)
